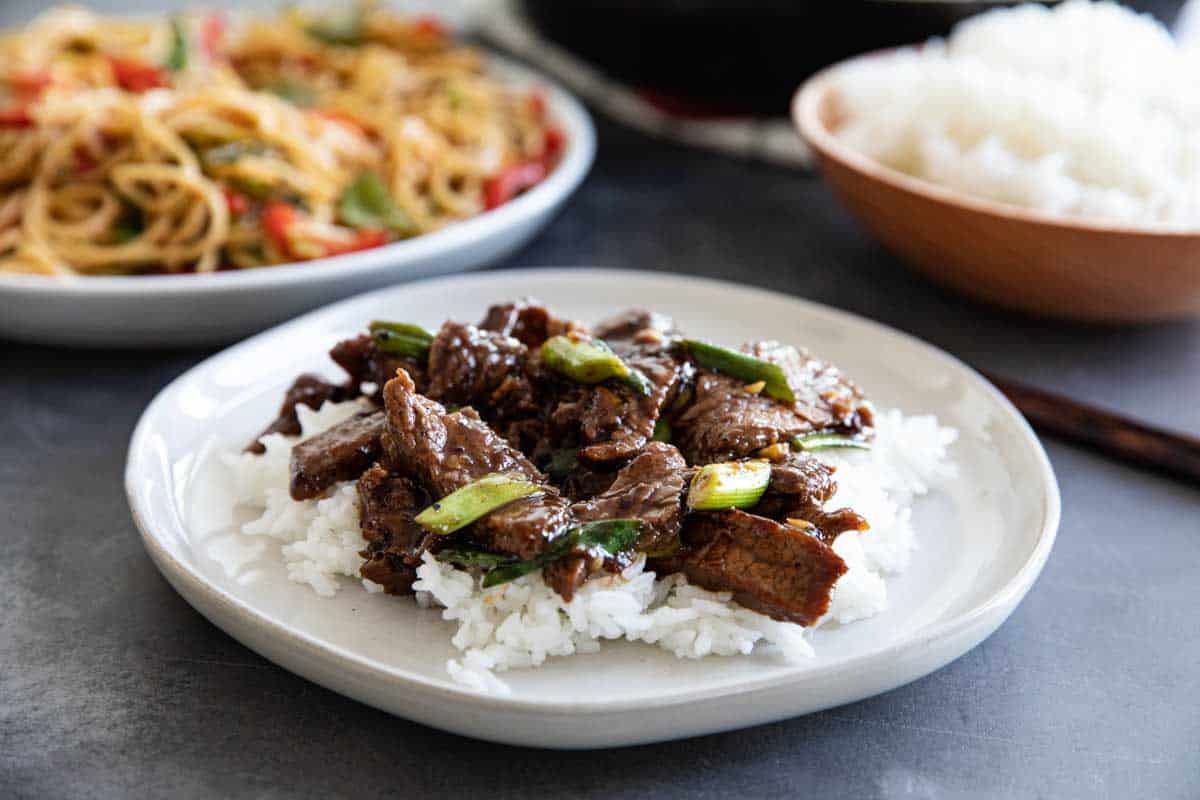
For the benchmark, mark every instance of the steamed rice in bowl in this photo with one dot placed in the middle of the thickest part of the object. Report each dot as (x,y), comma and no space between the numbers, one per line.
(522,623)
(1084,111)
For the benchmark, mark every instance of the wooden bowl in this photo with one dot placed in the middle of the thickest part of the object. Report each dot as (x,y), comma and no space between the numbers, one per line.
(1002,254)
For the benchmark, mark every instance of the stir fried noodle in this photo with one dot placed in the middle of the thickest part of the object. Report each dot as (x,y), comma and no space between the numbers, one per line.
(196,143)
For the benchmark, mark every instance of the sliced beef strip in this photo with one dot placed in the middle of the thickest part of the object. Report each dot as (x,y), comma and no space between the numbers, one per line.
(308,390)
(628,324)
(485,369)
(615,421)
(388,505)
(341,453)
(364,362)
(445,452)
(824,397)
(649,488)
(584,482)
(567,574)
(525,527)
(768,567)
(528,322)
(799,489)
(725,422)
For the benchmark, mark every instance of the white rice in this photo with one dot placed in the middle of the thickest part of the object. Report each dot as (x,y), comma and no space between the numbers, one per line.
(521,624)
(1084,110)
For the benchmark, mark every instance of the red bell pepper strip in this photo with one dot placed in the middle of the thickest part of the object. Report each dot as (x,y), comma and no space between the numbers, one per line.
(83,160)
(343,119)
(136,76)
(211,33)
(555,143)
(363,240)
(277,218)
(237,202)
(15,117)
(537,103)
(510,182)
(29,84)
(431,26)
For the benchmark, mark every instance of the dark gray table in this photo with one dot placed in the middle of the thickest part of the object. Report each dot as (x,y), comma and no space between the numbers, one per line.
(111,685)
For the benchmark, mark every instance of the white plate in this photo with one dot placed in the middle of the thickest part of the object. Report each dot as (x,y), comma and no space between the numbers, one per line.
(982,542)
(166,310)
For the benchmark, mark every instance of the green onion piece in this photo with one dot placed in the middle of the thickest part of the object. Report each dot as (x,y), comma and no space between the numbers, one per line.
(401,338)
(474,557)
(178,57)
(129,225)
(590,361)
(230,153)
(477,499)
(563,463)
(295,93)
(638,382)
(662,431)
(828,441)
(367,203)
(743,367)
(606,537)
(733,484)
(341,29)
(510,572)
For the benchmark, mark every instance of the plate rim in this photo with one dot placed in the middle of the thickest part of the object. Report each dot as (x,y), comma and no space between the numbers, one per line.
(1009,595)
(568,174)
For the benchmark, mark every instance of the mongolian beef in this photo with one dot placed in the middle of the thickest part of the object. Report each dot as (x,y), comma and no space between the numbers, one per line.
(531,443)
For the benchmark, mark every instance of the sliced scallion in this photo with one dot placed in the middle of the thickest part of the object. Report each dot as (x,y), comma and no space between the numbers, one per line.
(743,367)
(477,499)
(178,57)
(590,361)
(563,463)
(733,484)
(474,557)
(828,441)
(401,338)
(606,537)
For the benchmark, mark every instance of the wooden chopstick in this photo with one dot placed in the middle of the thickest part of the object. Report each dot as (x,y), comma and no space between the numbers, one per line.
(1174,454)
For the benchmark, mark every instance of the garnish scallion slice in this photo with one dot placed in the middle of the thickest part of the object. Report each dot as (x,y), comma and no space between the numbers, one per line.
(590,361)
(606,537)
(732,484)
(563,463)
(367,203)
(177,59)
(477,499)
(401,338)
(743,367)
(828,441)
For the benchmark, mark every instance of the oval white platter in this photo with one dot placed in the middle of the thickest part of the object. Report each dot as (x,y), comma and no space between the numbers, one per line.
(170,310)
(982,541)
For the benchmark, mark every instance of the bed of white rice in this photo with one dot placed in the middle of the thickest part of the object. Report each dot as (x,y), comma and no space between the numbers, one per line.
(523,623)
(1084,109)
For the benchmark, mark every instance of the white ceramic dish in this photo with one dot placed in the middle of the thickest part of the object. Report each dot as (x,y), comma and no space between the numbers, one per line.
(169,310)
(981,543)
